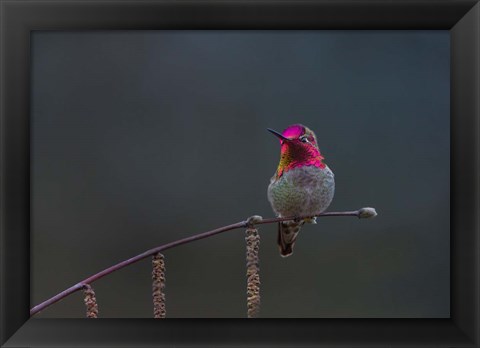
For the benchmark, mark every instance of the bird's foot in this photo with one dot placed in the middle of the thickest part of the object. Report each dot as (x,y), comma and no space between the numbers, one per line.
(312,220)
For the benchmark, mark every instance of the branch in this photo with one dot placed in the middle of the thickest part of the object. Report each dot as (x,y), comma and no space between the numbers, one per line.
(254,220)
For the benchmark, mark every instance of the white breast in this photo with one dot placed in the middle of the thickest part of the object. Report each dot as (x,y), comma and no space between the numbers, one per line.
(302,191)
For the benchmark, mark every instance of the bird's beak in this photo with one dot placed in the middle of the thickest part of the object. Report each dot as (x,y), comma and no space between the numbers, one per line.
(279,135)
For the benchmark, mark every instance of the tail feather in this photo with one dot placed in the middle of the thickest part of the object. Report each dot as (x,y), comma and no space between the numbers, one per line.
(287,235)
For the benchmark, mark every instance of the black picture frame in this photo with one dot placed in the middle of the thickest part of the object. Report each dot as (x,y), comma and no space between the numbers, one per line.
(18,18)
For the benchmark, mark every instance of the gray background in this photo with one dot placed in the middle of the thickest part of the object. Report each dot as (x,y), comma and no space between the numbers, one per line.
(141,138)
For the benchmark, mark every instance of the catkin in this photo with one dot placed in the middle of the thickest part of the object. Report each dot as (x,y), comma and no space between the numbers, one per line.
(90,301)
(252,239)
(158,286)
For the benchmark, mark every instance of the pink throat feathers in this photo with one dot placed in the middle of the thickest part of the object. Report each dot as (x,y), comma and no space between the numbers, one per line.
(293,157)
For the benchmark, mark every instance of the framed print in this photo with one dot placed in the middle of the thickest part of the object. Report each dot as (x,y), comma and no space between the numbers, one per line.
(128,125)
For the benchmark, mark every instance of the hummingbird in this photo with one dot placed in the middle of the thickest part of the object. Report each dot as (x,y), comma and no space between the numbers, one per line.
(302,185)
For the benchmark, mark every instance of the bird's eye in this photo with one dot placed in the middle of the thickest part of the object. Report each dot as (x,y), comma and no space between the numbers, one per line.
(304,140)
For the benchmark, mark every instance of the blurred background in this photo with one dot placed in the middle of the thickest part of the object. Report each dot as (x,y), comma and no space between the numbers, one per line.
(140,138)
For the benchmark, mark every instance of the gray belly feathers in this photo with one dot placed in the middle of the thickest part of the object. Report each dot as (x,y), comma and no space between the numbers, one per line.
(302,191)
